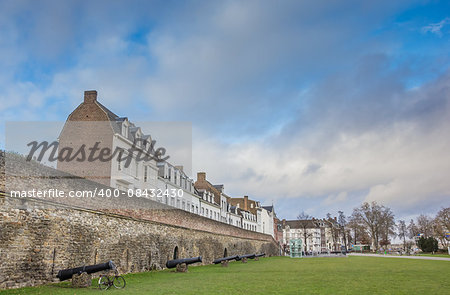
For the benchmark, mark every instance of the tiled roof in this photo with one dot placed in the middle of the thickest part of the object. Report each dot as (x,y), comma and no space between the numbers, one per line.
(116,123)
(111,115)
(301,223)
(268,208)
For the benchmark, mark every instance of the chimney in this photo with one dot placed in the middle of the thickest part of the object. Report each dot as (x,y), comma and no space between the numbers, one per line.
(90,96)
(246,203)
(201,176)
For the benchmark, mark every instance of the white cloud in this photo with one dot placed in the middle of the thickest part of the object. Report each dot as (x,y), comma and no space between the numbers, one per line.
(436,28)
(236,70)
(403,164)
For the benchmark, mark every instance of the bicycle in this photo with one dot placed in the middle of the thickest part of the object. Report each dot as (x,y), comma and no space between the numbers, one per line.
(106,281)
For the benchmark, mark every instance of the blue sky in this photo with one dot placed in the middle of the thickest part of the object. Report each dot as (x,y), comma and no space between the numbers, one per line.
(315,107)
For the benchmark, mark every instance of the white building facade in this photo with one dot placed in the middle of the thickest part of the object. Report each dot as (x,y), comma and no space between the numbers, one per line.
(135,171)
(317,235)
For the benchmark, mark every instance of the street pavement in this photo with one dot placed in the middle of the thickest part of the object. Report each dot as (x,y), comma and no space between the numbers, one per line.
(398,256)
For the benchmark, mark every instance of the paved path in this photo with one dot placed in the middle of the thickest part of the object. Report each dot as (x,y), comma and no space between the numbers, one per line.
(394,256)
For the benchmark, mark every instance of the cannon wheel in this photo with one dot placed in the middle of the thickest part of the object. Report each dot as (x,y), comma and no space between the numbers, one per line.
(119,282)
(104,282)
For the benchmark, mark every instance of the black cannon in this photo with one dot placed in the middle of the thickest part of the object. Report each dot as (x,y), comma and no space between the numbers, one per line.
(260,255)
(248,256)
(66,274)
(219,260)
(175,262)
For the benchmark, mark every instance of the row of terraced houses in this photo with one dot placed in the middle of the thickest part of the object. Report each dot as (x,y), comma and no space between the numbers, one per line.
(91,123)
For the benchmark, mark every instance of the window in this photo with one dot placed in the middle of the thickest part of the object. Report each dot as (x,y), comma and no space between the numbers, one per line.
(125,129)
(145,173)
(138,138)
(137,168)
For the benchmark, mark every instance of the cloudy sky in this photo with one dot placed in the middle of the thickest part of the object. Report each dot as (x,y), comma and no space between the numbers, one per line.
(315,106)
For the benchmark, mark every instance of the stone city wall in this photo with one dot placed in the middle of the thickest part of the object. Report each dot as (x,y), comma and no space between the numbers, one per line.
(39,237)
(37,242)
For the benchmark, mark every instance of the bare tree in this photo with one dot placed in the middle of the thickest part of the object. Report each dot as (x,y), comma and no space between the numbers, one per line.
(402,232)
(359,233)
(342,221)
(334,230)
(376,219)
(387,227)
(442,226)
(305,222)
(425,225)
(413,230)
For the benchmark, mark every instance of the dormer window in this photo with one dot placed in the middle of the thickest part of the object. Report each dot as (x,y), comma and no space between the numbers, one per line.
(125,129)
(138,141)
(138,138)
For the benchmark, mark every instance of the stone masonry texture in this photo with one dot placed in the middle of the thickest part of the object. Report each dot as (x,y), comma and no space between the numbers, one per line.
(39,237)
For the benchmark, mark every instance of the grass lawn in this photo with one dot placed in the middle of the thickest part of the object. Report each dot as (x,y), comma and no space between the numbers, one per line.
(282,275)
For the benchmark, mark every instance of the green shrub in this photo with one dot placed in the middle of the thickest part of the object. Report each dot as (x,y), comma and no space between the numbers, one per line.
(429,244)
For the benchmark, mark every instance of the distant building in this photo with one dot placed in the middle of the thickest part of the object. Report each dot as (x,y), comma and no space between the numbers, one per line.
(317,235)
(267,220)
(216,206)
(255,217)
